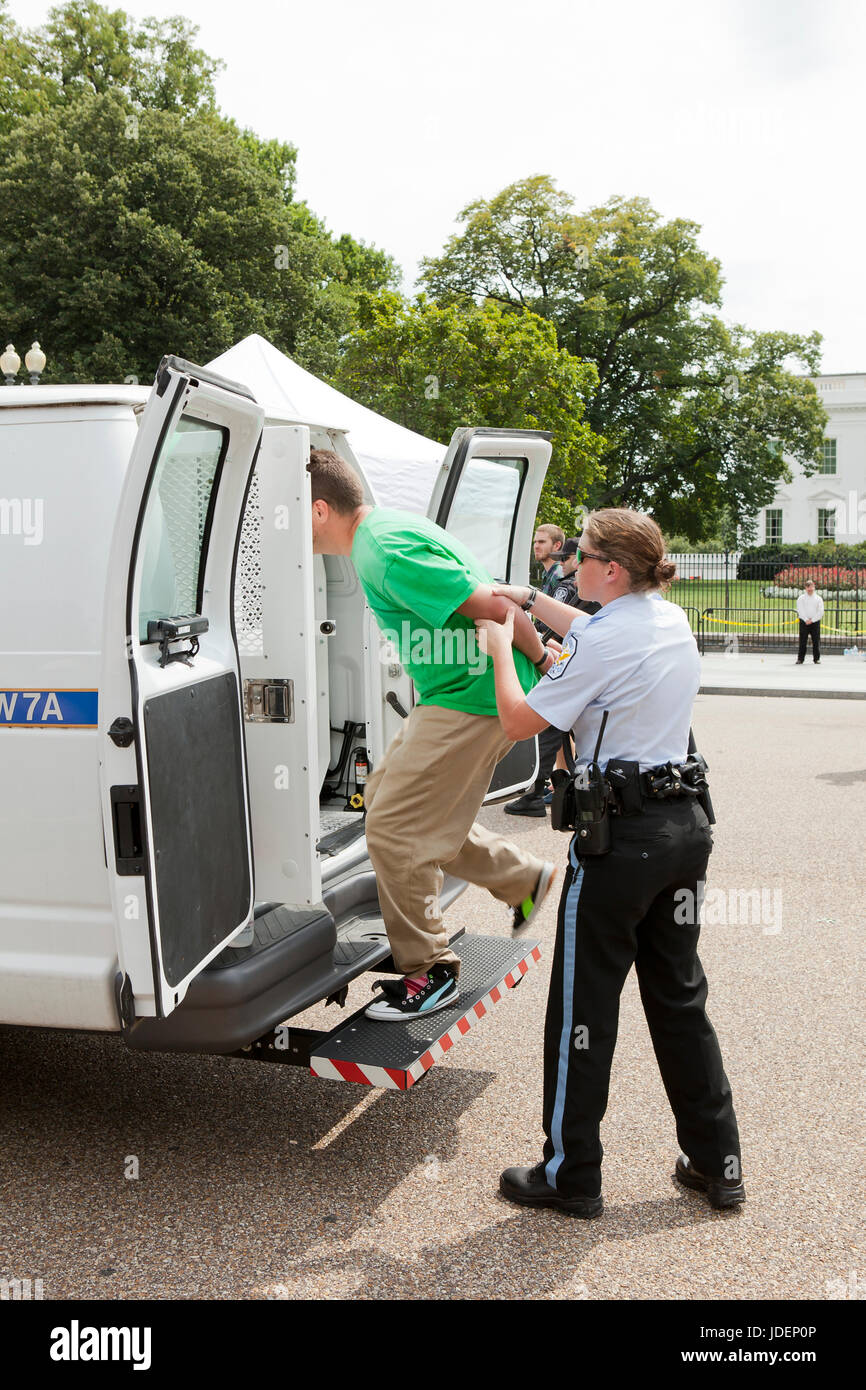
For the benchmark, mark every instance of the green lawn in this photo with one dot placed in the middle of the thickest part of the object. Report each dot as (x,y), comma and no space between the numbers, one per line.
(745,608)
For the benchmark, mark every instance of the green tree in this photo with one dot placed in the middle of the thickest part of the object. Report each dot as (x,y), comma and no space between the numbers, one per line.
(436,367)
(138,220)
(696,414)
(22,83)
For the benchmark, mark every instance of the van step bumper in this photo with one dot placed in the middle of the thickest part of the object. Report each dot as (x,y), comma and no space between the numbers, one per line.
(397,1055)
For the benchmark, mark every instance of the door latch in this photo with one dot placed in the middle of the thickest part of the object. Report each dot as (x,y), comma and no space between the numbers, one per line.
(269,701)
(129,852)
(122,731)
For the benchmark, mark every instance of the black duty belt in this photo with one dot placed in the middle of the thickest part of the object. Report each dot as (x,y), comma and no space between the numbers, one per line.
(625,789)
(672,779)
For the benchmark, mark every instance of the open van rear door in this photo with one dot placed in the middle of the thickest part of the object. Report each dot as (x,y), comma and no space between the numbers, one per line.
(172,758)
(487,494)
(279,668)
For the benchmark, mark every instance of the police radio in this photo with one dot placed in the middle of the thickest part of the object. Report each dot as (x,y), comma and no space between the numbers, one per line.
(581,800)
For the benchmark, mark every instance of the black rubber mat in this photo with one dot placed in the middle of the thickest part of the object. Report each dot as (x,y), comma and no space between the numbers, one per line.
(397,1054)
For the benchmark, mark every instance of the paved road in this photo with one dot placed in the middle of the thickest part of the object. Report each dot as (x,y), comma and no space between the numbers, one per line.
(259,1182)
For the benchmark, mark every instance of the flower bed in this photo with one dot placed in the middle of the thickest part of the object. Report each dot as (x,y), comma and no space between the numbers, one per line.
(825,576)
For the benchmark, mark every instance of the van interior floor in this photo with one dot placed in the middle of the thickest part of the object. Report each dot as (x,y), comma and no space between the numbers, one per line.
(338,828)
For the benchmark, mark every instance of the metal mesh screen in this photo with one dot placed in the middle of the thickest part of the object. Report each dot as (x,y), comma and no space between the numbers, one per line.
(248,578)
(175,520)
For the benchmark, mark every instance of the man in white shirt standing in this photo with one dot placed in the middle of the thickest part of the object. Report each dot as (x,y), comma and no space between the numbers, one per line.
(810,611)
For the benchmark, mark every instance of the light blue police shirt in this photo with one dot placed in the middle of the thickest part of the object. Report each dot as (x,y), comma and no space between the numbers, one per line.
(637,658)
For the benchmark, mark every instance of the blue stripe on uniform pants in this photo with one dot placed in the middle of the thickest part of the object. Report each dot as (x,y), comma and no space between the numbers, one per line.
(569,934)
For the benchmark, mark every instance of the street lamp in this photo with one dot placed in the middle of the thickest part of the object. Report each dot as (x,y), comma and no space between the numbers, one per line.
(34,361)
(9,364)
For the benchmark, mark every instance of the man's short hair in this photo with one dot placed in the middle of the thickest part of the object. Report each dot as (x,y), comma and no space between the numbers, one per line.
(334,482)
(555,533)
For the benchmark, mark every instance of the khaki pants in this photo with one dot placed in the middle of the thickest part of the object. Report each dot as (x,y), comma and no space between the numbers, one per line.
(422,801)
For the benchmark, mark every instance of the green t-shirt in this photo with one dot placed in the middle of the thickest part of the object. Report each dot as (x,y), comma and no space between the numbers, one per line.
(415,576)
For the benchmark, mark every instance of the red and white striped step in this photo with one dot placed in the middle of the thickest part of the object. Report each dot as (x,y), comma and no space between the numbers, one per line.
(396,1055)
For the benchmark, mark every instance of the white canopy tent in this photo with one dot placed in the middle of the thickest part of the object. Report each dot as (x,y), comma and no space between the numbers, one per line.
(400,465)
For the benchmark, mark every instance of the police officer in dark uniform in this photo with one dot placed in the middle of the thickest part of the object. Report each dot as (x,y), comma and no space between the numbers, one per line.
(631,894)
(550,740)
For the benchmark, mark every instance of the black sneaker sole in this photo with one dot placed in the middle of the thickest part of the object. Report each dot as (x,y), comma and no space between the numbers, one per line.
(509,811)
(586,1208)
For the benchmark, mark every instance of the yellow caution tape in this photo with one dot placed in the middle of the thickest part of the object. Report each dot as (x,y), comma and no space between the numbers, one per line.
(780,627)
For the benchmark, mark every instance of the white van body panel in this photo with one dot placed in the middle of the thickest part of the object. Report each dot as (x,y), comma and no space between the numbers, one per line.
(58,949)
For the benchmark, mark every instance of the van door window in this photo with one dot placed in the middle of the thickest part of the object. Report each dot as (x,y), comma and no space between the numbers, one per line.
(177,520)
(484,508)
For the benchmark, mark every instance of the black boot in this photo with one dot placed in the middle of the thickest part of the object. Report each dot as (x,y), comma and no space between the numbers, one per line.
(529,1188)
(530,804)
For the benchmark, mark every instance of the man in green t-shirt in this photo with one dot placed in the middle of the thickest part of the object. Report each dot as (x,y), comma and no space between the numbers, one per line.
(425,589)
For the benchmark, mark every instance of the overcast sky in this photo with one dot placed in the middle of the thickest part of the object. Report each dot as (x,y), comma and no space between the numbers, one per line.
(744,115)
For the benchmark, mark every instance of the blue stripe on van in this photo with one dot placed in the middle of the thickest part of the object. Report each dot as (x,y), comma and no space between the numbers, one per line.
(49,709)
(569,944)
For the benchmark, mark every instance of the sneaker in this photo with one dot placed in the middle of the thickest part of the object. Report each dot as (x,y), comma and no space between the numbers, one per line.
(528,805)
(528,910)
(397,1004)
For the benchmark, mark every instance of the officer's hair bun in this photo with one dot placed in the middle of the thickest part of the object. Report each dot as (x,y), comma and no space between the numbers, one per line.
(663,572)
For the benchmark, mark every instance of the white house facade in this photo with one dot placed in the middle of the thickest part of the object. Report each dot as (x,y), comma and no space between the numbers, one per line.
(832,502)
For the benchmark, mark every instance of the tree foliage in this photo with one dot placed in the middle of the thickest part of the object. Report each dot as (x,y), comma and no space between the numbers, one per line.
(696,414)
(435,367)
(137,219)
(85,48)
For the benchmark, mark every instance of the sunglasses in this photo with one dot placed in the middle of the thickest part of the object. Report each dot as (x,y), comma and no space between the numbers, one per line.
(588,555)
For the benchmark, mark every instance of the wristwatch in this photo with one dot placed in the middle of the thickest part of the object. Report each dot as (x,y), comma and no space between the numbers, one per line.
(533,595)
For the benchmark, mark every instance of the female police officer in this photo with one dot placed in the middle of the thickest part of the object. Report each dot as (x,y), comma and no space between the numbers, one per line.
(638,902)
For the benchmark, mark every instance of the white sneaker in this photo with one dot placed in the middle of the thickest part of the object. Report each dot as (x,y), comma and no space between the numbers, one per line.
(396,1004)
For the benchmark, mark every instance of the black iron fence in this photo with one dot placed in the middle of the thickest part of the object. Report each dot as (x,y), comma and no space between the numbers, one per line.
(734,601)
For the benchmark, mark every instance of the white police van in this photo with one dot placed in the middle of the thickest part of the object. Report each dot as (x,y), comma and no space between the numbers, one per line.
(189,702)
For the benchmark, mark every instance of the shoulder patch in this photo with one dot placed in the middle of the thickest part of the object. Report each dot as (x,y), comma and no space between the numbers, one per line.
(569,647)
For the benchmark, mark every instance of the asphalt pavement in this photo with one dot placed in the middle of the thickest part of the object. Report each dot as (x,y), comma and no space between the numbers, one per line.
(259,1182)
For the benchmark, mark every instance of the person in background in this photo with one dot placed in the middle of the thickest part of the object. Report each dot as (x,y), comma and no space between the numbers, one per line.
(547,540)
(810,611)
(532,803)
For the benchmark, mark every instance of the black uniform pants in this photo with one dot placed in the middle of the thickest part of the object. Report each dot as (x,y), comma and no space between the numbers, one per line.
(617,910)
(808,630)
(549,744)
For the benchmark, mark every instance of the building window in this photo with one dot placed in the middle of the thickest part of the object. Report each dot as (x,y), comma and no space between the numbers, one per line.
(828,456)
(773,525)
(826,523)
